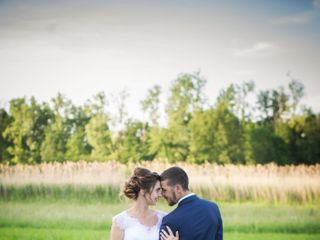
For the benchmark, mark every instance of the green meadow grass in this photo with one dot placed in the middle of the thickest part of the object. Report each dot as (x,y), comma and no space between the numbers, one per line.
(65,219)
(52,234)
(275,207)
(50,192)
(86,193)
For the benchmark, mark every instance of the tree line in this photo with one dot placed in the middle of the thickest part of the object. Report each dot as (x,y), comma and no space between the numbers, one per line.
(273,127)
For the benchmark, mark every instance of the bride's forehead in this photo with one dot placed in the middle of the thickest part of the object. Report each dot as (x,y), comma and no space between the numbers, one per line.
(157,185)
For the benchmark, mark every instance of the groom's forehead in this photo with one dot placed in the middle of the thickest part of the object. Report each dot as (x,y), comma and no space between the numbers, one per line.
(164,182)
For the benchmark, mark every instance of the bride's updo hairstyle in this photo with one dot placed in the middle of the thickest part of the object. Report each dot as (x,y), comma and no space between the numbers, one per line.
(142,179)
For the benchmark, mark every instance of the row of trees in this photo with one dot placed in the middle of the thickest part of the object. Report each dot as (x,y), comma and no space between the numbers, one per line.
(272,128)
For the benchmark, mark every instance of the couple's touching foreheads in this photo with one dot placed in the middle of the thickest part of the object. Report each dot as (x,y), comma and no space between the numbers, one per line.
(193,218)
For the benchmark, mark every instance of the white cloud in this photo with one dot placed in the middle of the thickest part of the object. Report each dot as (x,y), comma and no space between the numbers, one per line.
(258,48)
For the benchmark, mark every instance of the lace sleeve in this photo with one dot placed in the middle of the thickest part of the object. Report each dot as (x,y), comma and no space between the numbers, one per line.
(120,220)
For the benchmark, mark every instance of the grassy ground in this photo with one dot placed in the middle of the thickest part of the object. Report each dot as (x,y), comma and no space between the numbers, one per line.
(78,200)
(103,180)
(75,220)
(37,234)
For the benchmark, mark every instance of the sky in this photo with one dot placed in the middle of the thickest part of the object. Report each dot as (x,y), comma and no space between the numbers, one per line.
(80,48)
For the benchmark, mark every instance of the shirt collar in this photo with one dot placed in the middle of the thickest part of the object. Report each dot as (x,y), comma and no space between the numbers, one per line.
(186,196)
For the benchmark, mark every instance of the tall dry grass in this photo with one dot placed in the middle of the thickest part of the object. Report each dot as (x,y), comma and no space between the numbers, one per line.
(268,183)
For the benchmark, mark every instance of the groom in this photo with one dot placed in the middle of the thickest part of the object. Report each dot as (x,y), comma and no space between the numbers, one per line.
(194,218)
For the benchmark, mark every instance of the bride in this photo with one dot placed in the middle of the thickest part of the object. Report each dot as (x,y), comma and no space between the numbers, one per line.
(140,222)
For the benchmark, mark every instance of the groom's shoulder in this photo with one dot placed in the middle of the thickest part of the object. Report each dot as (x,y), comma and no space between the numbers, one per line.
(208,203)
(171,215)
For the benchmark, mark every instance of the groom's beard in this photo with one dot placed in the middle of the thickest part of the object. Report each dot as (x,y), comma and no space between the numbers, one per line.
(172,201)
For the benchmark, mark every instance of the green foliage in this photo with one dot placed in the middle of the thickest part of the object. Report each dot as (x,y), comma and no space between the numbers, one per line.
(151,104)
(99,136)
(297,92)
(302,136)
(186,96)
(26,130)
(266,146)
(215,136)
(77,146)
(232,130)
(53,147)
(216,132)
(273,105)
(309,142)
(5,120)
(135,143)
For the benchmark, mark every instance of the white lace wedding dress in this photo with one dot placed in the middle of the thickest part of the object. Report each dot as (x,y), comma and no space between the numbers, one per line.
(134,230)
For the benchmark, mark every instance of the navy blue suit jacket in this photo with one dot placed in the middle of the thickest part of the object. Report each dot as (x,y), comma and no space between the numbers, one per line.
(195,219)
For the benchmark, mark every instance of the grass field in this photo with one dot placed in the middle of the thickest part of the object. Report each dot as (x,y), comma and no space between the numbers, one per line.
(78,200)
(74,220)
(228,183)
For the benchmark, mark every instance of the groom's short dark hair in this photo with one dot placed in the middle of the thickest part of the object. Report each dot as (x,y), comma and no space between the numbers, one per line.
(176,175)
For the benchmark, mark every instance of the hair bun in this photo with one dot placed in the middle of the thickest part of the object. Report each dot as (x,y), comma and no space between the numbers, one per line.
(142,179)
(132,187)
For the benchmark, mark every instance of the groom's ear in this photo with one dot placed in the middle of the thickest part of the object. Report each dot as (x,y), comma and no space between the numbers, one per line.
(178,188)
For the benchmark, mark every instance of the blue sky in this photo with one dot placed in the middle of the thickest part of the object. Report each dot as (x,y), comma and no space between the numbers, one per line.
(80,48)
